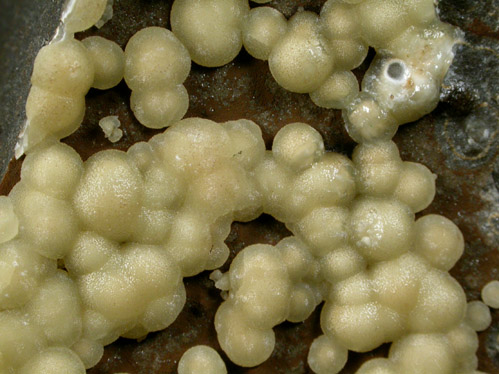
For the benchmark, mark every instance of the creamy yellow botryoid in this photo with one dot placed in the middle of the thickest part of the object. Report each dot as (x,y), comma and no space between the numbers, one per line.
(94,250)
(129,225)
(201,359)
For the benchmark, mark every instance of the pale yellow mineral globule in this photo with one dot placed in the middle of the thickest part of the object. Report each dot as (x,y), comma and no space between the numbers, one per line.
(301,60)
(211,30)
(478,315)
(262,29)
(51,115)
(64,68)
(155,58)
(84,14)
(201,359)
(297,146)
(54,360)
(108,59)
(326,356)
(158,108)
(490,294)
(439,241)
(9,224)
(337,91)
(90,352)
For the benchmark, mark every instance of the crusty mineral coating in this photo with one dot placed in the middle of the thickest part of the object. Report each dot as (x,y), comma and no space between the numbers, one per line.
(84,14)
(108,59)
(407,95)
(262,29)
(211,30)
(430,47)
(201,359)
(490,294)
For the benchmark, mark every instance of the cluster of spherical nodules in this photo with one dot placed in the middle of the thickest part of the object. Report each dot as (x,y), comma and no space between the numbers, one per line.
(310,53)
(62,75)
(126,227)
(56,102)
(266,285)
(129,225)
(157,64)
(385,273)
(315,54)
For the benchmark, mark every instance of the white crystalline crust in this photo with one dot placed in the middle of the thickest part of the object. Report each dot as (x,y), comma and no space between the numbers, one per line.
(110,125)
(94,250)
